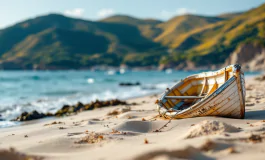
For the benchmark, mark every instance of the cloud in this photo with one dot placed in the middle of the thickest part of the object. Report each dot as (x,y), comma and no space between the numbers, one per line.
(76,12)
(180,11)
(105,12)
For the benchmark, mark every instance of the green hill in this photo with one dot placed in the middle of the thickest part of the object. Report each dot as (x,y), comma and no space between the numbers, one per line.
(130,20)
(229,15)
(220,39)
(179,25)
(57,42)
(55,38)
(146,26)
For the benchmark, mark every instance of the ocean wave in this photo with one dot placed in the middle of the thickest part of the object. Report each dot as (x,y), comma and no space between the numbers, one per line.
(4,124)
(49,104)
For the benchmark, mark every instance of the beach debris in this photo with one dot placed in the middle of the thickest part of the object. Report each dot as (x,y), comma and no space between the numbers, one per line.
(226,134)
(129,84)
(210,128)
(119,110)
(26,136)
(165,125)
(91,138)
(254,138)
(143,119)
(250,104)
(12,154)
(11,134)
(114,131)
(53,123)
(61,127)
(146,141)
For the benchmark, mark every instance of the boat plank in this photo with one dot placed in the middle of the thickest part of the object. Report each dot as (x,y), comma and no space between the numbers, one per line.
(236,107)
(222,103)
(227,109)
(216,99)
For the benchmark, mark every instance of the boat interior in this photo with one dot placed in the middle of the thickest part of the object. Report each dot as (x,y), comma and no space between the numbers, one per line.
(194,88)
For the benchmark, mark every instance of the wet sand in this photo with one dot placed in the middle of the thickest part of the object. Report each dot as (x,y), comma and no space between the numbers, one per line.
(124,132)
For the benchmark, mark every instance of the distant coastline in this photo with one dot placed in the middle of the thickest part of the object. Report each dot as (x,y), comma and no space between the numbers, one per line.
(186,42)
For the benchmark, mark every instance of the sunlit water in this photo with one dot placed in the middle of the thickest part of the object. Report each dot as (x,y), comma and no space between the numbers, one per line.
(48,91)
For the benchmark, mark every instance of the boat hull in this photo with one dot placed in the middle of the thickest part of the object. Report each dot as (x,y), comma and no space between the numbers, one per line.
(226,101)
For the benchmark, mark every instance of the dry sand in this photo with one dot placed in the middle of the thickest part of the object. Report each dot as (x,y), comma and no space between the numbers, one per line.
(128,133)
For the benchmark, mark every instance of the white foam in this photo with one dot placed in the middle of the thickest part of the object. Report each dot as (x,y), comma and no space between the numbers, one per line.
(4,124)
(90,80)
(52,104)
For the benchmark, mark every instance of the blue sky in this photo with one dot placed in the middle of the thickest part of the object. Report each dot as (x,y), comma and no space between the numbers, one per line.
(12,11)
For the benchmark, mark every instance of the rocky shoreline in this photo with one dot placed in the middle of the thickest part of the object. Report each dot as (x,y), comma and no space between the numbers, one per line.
(68,110)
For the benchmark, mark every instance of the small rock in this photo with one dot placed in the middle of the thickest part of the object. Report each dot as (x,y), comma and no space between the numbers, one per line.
(146,141)
(25,116)
(79,106)
(130,84)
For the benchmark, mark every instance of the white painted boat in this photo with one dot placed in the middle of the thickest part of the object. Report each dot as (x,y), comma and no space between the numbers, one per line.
(218,93)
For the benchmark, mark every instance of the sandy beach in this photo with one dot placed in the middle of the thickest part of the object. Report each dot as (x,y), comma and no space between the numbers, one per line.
(134,132)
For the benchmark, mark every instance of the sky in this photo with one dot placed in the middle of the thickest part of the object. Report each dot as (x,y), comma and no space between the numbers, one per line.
(13,11)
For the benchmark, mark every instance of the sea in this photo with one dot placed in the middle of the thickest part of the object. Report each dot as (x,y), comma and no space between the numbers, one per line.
(48,91)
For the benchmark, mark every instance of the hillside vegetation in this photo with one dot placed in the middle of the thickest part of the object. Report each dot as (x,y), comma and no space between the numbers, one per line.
(57,42)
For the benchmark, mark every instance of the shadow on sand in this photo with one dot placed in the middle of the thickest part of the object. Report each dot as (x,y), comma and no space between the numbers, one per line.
(255,115)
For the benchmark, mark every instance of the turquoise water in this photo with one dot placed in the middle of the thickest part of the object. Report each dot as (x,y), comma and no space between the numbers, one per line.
(47,91)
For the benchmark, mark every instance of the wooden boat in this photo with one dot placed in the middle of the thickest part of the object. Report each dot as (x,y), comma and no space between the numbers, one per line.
(218,93)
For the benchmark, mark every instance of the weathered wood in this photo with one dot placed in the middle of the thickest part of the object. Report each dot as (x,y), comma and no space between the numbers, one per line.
(204,85)
(184,97)
(226,95)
